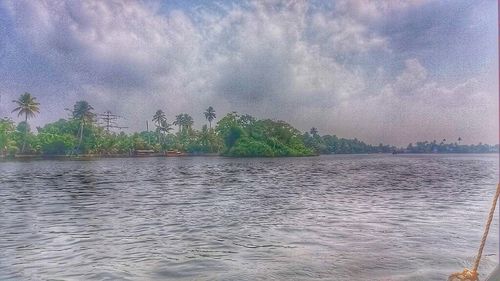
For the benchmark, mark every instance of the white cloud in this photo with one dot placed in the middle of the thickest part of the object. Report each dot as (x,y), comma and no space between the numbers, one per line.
(375,10)
(412,107)
(411,79)
(287,60)
(345,35)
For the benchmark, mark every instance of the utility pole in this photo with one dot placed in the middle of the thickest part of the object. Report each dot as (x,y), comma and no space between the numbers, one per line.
(147,129)
(110,121)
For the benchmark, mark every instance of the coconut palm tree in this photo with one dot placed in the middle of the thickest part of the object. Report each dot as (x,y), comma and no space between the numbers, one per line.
(163,129)
(313,131)
(27,106)
(184,121)
(82,111)
(179,121)
(159,117)
(188,122)
(210,115)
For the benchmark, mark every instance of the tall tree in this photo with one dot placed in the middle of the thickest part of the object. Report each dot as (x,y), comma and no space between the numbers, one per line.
(313,131)
(27,106)
(163,129)
(210,115)
(187,122)
(159,117)
(179,121)
(184,121)
(82,111)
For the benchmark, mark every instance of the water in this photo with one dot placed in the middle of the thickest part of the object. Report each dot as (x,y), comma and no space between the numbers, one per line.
(367,217)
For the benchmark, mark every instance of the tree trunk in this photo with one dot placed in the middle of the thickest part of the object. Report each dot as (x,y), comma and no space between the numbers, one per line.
(81,136)
(25,132)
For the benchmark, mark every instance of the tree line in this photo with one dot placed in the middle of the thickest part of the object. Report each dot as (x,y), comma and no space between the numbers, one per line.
(233,135)
(449,147)
(80,133)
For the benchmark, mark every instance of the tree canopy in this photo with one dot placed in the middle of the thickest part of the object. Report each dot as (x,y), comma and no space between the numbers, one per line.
(234,135)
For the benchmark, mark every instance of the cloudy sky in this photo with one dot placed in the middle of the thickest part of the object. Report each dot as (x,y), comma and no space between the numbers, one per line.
(382,71)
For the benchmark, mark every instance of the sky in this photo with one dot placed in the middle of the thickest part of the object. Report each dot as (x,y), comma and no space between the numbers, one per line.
(381,71)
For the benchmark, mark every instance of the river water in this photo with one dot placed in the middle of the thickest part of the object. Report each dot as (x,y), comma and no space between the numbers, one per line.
(355,217)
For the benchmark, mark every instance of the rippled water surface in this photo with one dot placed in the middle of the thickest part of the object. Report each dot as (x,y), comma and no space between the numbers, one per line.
(365,217)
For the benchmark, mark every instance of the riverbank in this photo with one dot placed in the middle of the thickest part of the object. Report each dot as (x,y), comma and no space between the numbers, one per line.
(102,156)
(184,155)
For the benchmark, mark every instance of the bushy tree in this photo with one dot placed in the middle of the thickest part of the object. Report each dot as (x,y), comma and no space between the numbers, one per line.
(246,136)
(7,142)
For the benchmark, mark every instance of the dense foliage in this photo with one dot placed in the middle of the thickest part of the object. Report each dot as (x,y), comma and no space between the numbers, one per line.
(81,134)
(443,147)
(328,144)
(245,136)
(8,144)
(233,135)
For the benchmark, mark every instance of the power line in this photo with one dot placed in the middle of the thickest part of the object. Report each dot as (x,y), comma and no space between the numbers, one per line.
(110,121)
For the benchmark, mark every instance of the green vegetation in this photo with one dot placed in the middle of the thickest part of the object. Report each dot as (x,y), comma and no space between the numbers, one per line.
(245,136)
(444,147)
(27,106)
(8,145)
(328,144)
(210,115)
(83,113)
(234,135)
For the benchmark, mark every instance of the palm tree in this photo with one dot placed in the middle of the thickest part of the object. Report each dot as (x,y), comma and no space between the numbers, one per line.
(163,129)
(313,131)
(188,122)
(159,117)
(179,121)
(459,140)
(184,121)
(82,111)
(27,106)
(210,115)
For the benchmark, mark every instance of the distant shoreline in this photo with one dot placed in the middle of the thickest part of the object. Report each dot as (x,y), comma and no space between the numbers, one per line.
(4,158)
(234,135)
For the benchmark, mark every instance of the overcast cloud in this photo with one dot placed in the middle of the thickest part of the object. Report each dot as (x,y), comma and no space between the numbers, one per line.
(389,71)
